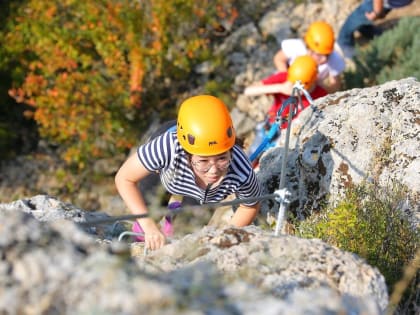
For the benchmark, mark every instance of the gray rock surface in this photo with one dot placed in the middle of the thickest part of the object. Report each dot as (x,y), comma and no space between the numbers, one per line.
(363,134)
(51,266)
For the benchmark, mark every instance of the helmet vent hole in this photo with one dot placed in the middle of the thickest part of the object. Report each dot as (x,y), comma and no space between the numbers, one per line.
(229,132)
(191,139)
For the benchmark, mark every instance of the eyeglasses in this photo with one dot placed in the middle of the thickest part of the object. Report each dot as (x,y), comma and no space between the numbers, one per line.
(203,166)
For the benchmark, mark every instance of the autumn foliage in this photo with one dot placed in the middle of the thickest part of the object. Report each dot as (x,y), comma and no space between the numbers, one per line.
(82,65)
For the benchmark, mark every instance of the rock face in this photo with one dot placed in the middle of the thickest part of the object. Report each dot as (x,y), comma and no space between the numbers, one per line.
(49,265)
(362,134)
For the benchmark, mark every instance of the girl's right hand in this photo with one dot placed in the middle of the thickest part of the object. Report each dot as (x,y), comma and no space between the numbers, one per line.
(153,237)
(154,240)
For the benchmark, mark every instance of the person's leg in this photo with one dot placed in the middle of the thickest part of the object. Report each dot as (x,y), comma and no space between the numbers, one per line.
(174,204)
(136,228)
(371,31)
(354,22)
(166,223)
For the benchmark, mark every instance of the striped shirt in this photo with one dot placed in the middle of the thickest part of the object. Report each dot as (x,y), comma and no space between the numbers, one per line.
(165,155)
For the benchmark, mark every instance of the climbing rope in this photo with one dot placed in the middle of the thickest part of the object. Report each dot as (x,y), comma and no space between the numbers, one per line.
(276,196)
(298,88)
(291,103)
(112,219)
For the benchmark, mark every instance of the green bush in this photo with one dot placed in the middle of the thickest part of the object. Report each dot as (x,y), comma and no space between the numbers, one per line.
(86,67)
(370,222)
(391,56)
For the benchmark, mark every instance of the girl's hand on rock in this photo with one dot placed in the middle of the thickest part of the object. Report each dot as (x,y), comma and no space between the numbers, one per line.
(154,240)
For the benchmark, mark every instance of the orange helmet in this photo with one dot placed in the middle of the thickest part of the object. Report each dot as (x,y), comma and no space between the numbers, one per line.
(204,126)
(320,38)
(303,69)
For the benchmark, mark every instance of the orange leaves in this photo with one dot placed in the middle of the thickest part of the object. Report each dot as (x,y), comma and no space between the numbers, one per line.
(86,80)
(136,77)
(52,92)
(226,16)
(124,143)
(50,13)
(26,93)
(33,66)
(156,28)
(18,94)
(73,156)
(34,82)
(227,13)
(199,12)
(28,114)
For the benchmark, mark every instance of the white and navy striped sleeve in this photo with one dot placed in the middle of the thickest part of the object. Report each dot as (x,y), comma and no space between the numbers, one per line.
(156,154)
(249,186)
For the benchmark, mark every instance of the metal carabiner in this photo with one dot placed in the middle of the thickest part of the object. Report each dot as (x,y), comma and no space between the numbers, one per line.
(291,100)
(299,86)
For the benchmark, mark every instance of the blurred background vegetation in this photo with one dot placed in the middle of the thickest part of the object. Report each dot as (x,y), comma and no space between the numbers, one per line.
(86,76)
(391,56)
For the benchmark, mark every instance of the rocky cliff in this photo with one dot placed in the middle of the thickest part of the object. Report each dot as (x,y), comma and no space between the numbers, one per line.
(52,265)
(359,135)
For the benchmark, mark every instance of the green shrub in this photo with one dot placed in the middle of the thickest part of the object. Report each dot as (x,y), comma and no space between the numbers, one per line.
(370,222)
(85,67)
(391,56)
